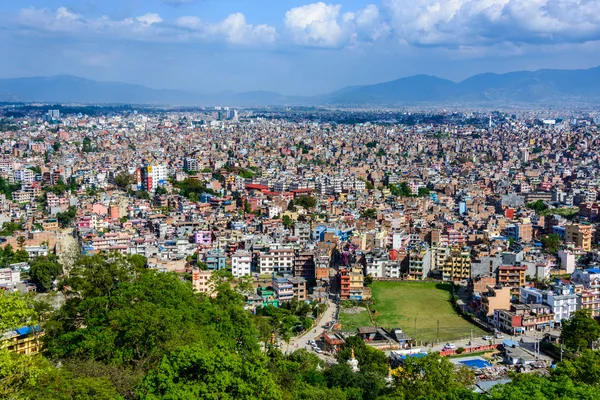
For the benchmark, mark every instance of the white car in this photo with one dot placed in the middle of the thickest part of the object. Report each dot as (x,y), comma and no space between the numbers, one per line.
(487,337)
(449,346)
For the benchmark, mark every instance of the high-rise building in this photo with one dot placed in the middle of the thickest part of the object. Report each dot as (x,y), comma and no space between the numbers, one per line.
(151,176)
(190,164)
(52,115)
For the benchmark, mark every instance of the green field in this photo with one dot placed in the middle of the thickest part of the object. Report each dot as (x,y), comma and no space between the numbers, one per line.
(398,303)
(352,321)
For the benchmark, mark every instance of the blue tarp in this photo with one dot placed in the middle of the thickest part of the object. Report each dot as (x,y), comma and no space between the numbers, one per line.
(25,330)
(510,343)
(417,355)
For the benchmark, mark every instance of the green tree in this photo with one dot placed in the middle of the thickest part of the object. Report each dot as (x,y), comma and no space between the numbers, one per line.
(287,221)
(66,218)
(579,330)
(551,243)
(402,189)
(9,228)
(142,194)
(583,369)
(198,371)
(422,378)
(161,191)
(43,271)
(538,206)
(20,256)
(87,145)
(532,386)
(21,242)
(305,201)
(423,192)
(123,180)
(56,146)
(369,213)
(16,310)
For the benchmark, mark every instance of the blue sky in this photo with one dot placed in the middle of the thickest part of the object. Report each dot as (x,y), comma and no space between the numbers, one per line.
(291,46)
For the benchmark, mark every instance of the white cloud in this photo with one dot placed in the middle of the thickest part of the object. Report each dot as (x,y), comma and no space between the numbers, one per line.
(473,22)
(234,29)
(323,25)
(149,27)
(451,24)
(149,19)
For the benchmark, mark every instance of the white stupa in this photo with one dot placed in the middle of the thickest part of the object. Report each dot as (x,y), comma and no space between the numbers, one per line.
(353,363)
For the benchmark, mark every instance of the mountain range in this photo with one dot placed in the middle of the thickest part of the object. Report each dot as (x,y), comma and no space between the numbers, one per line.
(547,86)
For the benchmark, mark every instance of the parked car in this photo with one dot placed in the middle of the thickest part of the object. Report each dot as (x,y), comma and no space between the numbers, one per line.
(499,336)
(318,350)
(487,337)
(449,346)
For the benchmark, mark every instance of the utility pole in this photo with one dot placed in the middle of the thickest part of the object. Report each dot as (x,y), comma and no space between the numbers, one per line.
(415,330)
(561,351)
(437,335)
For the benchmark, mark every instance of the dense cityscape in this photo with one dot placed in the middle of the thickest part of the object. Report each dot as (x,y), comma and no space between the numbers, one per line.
(298,253)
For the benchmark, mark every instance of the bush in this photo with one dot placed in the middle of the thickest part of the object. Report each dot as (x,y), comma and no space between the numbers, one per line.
(460,350)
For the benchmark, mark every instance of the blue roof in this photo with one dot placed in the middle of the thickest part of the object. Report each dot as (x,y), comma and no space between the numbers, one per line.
(510,343)
(594,270)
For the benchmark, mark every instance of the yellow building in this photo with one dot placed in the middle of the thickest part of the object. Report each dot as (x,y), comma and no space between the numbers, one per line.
(458,265)
(580,234)
(25,340)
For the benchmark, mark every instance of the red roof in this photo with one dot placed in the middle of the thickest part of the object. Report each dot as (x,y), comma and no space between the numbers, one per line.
(256,186)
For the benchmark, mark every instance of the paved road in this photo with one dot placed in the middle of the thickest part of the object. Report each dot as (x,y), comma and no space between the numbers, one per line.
(302,341)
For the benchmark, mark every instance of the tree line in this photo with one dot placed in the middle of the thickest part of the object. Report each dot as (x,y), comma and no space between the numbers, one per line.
(128,332)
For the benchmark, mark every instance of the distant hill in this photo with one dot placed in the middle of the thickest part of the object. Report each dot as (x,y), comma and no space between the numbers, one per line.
(548,86)
(543,86)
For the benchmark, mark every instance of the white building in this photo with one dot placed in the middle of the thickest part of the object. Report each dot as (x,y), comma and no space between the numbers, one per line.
(279,261)
(24,176)
(241,263)
(151,176)
(274,211)
(562,299)
(567,261)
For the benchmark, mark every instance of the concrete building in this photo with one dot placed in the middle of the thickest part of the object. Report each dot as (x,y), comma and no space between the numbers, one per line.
(278,261)
(511,275)
(589,293)
(567,261)
(494,298)
(418,262)
(457,266)
(562,299)
(201,281)
(241,263)
(149,177)
(304,265)
(580,234)
(284,289)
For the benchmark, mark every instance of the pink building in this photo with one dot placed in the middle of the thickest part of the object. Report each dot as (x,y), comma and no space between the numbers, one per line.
(203,237)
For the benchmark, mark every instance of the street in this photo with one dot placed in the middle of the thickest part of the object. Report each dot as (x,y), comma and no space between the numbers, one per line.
(302,341)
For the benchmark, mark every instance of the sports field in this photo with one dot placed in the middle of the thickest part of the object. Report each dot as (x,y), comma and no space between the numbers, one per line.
(398,303)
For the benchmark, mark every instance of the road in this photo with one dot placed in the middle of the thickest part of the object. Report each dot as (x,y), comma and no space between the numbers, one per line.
(302,341)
